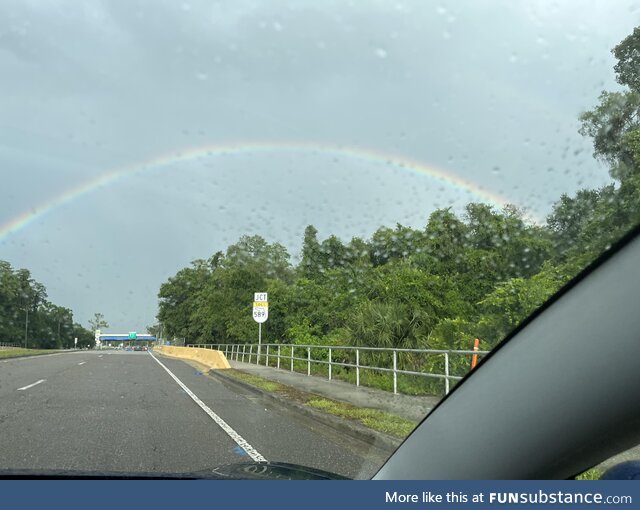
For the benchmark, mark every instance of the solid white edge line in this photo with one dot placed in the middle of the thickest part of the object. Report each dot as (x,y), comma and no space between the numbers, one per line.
(31,385)
(240,441)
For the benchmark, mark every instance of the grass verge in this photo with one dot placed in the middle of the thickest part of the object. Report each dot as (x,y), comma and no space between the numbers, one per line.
(18,351)
(590,474)
(374,419)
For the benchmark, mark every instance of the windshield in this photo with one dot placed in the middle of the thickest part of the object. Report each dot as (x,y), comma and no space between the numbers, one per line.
(237,231)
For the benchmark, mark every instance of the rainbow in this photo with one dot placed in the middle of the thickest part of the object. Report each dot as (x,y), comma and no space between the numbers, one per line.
(110,177)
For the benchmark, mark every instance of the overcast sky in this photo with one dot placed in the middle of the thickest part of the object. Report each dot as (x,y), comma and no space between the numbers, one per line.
(488,92)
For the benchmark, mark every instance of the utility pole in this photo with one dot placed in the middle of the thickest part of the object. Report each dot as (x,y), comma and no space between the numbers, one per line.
(26,325)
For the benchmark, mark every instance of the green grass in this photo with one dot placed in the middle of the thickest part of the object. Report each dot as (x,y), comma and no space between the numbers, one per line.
(372,418)
(14,352)
(375,419)
(256,381)
(590,474)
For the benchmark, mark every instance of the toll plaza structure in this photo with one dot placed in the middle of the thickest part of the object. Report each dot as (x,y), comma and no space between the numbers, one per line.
(124,340)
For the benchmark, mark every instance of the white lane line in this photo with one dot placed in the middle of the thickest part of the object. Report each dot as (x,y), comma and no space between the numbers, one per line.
(240,441)
(31,385)
(82,363)
(100,356)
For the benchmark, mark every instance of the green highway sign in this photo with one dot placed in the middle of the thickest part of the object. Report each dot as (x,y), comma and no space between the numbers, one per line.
(133,335)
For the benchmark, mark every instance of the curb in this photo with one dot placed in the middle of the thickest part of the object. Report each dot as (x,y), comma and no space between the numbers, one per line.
(349,427)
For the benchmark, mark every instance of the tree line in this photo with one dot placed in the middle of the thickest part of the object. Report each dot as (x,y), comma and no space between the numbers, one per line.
(28,318)
(478,274)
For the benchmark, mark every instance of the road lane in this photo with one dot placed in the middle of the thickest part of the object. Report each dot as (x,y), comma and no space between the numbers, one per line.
(278,432)
(19,372)
(121,411)
(239,440)
(116,413)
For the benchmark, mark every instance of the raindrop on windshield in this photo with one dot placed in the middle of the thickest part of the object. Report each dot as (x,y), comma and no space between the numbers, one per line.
(381,53)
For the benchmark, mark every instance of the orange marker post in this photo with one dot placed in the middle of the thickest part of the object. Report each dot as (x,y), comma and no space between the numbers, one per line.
(474,359)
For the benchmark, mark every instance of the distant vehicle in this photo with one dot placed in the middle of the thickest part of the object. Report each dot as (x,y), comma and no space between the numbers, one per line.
(145,348)
(138,348)
(128,348)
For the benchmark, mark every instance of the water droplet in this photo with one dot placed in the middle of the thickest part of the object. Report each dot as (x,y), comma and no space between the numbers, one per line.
(381,53)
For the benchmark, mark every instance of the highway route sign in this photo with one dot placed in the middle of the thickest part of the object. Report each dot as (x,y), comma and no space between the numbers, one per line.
(260,307)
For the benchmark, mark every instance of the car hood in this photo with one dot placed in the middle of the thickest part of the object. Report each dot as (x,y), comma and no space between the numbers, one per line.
(242,471)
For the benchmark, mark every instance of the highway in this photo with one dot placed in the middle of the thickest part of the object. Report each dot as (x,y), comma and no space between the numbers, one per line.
(131,412)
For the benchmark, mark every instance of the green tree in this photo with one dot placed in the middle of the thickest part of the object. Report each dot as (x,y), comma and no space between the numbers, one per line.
(514,300)
(98,322)
(617,115)
(312,263)
(628,55)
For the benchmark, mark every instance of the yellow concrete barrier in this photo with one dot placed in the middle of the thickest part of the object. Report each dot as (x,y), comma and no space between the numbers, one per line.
(208,357)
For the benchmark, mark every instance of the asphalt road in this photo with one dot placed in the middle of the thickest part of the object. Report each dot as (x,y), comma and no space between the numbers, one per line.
(125,412)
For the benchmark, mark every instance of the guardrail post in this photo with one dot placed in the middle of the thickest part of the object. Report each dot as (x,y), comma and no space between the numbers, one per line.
(244,348)
(446,373)
(250,352)
(395,372)
(308,360)
(237,351)
(278,356)
(266,363)
(291,357)
(357,367)
(329,363)
(232,346)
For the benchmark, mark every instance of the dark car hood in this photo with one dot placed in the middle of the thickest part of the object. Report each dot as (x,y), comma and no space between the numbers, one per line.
(243,471)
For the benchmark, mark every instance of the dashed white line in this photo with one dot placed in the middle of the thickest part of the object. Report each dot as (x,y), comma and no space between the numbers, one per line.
(82,363)
(31,385)
(240,441)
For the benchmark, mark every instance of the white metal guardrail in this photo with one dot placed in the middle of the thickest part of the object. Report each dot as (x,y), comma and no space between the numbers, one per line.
(7,344)
(326,355)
